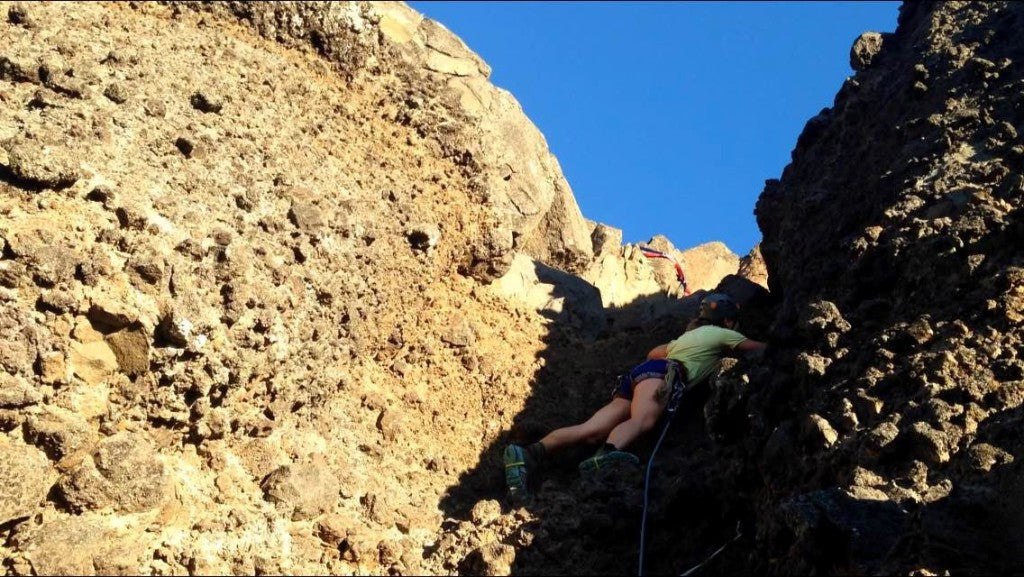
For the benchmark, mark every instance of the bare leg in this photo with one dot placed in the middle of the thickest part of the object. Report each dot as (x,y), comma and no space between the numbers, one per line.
(648,403)
(594,430)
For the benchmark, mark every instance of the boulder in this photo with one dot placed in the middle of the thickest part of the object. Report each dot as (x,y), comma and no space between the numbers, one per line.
(16,392)
(553,293)
(59,432)
(84,545)
(308,488)
(123,473)
(25,479)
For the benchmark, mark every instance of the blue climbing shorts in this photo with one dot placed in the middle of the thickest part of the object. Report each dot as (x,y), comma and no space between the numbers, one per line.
(655,369)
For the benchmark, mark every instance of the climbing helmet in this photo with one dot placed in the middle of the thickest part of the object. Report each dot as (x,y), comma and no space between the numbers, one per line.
(718,307)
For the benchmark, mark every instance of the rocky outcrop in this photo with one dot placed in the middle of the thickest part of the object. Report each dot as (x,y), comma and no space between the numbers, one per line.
(252,259)
(880,432)
(704,265)
(554,294)
(753,267)
(210,333)
(888,239)
(280,281)
(445,92)
(623,274)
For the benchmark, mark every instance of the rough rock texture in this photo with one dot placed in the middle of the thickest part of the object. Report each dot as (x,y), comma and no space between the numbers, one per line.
(24,480)
(753,267)
(880,434)
(309,488)
(704,265)
(623,276)
(891,240)
(278,280)
(480,127)
(122,474)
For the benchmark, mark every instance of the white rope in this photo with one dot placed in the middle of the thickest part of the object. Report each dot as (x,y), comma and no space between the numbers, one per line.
(713,555)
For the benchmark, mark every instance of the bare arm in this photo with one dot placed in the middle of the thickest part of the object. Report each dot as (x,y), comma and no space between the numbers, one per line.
(658,352)
(750,345)
(750,349)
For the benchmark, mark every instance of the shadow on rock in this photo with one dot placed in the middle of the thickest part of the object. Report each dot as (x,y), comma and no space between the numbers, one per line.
(590,523)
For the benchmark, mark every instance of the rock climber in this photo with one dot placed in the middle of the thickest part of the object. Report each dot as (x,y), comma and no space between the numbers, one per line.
(640,398)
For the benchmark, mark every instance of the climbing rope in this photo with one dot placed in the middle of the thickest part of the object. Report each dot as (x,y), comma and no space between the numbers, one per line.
(713,555)
(678,388)
(672,376)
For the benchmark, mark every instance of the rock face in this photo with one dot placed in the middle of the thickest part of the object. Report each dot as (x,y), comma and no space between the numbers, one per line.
(704,265)
(890,240)
(481,127)
(277,280)
(880,434)
(623,273)
(753,267)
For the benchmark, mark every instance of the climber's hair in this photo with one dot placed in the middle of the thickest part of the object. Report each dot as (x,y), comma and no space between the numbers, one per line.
(700,322)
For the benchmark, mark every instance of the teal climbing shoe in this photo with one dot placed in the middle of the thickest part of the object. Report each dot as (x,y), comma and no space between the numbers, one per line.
(516,469)
(610,458)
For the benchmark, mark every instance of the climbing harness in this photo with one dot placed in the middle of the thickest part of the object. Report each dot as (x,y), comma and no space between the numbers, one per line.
(672,375)
(651,253)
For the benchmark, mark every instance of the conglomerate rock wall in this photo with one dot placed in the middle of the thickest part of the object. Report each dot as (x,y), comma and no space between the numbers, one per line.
(444,93)
(246,265)
(887,427)
(234,337)
(881,431)
(279,280)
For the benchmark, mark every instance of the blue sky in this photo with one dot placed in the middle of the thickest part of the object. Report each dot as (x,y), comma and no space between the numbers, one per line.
(667,117)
